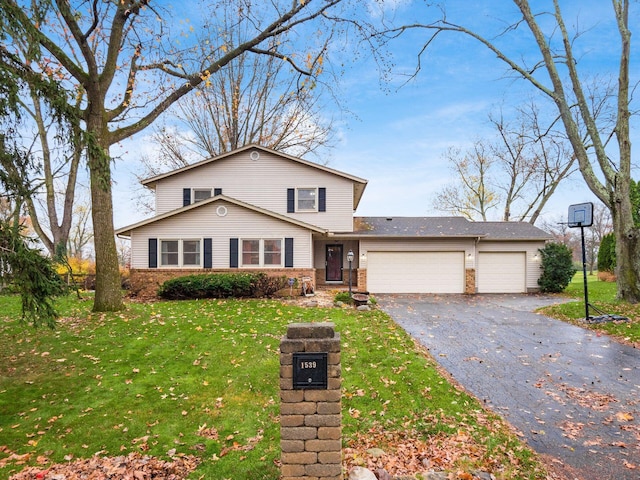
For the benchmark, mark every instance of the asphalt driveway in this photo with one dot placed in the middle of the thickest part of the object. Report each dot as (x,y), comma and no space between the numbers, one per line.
(573,394)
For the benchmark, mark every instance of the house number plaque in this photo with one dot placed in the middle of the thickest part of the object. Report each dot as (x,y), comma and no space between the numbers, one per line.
(310,370)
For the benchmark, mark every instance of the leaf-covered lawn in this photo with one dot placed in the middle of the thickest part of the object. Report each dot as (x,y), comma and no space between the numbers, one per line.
(602,295)
(198,381)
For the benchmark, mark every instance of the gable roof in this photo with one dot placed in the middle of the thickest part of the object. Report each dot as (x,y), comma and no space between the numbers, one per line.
(359,184)
(439,227)
(126,231)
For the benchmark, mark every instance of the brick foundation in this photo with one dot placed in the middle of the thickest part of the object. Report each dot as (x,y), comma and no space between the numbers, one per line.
(145,282)
(311,419)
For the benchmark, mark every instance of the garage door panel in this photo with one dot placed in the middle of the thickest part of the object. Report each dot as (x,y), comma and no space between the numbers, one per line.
(415,272)
(501,272)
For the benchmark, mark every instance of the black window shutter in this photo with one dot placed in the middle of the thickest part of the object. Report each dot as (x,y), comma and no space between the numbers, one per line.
(322,199)
(291,200)
(208,260)
(233,253)
(186,197)
(153,253)
(217,191)
(288,252)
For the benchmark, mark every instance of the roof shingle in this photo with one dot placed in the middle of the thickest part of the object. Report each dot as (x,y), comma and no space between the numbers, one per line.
(446,227)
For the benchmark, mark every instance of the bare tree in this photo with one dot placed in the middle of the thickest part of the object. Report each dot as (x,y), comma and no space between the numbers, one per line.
(534,159)
(472,195)
(59,165)
(515,174)
(254,99)
(560,75)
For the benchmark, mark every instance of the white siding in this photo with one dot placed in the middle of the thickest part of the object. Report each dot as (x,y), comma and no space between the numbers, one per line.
(264,183)
(206,223)
(532,258)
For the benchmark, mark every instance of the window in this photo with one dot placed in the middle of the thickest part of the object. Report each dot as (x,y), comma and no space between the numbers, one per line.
(307,199)
(273,252)
(262,253)
(251,252)
(191,253)
(169,254)
(173,251)
(200,194)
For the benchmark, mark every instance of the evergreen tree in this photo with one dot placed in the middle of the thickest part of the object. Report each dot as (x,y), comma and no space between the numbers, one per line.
(607,253)
(557,268)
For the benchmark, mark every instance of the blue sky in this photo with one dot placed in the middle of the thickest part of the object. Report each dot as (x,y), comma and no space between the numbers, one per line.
(397,135)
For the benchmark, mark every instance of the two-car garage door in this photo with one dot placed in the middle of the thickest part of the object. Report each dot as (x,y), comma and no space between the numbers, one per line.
(415,272)
(444,272)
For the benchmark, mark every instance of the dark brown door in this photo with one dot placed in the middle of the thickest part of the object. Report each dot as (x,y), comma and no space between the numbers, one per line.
(334,263)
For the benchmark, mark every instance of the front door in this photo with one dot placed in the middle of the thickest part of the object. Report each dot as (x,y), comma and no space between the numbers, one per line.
(334,263)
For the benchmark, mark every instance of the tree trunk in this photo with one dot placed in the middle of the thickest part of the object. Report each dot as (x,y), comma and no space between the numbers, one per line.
(627,249)
(108,297)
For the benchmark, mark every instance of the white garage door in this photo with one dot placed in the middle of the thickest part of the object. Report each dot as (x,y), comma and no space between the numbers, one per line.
(501,272)
(415,272)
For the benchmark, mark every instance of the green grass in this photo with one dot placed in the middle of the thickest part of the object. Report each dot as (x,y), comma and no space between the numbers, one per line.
(152,377)
(602,295)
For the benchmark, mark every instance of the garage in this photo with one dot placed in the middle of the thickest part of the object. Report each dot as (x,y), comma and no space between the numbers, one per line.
(501,272)
(415,272)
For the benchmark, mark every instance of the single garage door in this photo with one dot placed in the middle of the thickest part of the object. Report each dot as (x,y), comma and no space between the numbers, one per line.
(415,272)
(501,272)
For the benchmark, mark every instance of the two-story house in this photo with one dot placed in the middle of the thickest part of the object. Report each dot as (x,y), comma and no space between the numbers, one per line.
(255,208)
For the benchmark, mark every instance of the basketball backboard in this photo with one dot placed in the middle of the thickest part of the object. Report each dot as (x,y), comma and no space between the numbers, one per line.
(581,215)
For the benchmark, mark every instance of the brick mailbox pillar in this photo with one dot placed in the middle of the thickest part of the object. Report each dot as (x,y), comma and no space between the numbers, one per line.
(310,403)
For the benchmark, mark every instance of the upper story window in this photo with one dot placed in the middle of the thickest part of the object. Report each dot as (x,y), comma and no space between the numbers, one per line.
(200,194)
(180,253)
(307,199)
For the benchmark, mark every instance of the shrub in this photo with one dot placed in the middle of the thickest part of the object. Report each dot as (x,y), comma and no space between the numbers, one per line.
(607,253)
(557,268)
(343,297)
(606,276)
(267,286)
(221,285)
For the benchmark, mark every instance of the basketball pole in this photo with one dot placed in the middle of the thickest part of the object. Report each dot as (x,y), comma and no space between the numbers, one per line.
(584,275)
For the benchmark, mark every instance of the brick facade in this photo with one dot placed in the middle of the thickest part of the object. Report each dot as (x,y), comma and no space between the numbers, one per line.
(145,282)
(311,419)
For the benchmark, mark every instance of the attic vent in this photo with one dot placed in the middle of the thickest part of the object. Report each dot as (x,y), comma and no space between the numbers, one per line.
(389,219)
(255,155)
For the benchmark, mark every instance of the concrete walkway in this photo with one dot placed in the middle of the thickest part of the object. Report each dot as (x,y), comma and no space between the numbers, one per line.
(574,395)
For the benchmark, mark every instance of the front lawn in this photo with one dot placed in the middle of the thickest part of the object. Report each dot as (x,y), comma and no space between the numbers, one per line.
(200,378)
(602,295)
